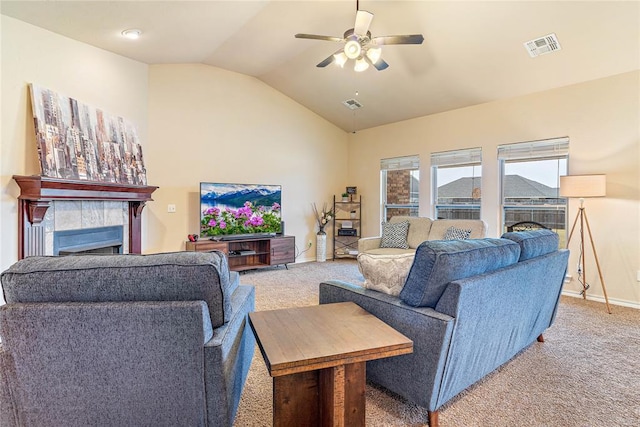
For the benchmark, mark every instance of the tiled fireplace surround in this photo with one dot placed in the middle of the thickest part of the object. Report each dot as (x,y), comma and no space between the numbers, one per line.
(48,205)
(81,215)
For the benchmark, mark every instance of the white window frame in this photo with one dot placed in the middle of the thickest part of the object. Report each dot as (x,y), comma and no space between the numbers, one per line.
(546,149)
(454,158)
(398,163)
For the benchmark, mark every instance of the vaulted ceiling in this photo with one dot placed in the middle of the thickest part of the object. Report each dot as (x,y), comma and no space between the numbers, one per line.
(473,51)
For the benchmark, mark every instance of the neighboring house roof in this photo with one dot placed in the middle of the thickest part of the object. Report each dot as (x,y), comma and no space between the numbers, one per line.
(515,186)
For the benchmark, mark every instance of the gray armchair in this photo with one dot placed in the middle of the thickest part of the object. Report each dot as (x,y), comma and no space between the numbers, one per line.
(115,340)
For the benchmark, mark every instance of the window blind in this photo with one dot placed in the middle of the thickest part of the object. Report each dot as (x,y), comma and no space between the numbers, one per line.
(546,148)
(469,156)
(400,163)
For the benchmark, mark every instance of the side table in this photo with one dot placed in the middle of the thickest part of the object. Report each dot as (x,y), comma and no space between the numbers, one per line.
(317,357)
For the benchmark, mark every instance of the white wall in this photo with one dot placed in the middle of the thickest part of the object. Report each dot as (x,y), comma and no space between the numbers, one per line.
(602,121)
(213,125)
(93,76)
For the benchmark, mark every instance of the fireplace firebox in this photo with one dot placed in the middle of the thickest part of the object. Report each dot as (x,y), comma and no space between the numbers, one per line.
(103,240)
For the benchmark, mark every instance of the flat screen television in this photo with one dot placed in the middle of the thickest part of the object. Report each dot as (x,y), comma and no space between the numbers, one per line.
(232,211)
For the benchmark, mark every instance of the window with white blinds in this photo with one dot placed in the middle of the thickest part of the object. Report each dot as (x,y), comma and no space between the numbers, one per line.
(456,183)
(400,178)
(530,181)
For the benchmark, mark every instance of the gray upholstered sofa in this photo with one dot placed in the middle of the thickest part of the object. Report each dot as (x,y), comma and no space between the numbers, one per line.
(115,340)
(468,305)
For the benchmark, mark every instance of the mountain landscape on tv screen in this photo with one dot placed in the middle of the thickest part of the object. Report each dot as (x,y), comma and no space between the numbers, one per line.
(236,196)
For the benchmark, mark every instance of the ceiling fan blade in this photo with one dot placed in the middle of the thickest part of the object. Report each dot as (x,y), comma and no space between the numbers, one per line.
(363,21)
(380,64)
(318,37)
(406,39)
(328,60)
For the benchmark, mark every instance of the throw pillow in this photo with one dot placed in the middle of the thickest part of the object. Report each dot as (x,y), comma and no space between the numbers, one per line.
(454,233)
(395,235)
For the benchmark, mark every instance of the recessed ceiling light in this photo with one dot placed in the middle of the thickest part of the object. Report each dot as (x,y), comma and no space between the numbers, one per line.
(132,33)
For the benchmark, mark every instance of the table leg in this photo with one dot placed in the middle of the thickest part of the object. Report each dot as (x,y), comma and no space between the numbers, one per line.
(342,399)
(332,397)
(295,400)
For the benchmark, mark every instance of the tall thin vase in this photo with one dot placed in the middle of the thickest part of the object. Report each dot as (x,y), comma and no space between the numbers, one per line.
(321,246)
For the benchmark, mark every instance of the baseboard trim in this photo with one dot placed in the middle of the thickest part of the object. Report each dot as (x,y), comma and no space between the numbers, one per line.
(613,301)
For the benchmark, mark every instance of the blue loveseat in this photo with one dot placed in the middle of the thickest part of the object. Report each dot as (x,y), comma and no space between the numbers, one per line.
(123,340)
(469,306)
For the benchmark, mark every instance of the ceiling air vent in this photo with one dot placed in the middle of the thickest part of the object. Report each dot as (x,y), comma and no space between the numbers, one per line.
(352,104)
(546,44)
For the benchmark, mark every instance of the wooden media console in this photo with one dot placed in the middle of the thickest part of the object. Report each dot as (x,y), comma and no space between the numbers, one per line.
(251,253)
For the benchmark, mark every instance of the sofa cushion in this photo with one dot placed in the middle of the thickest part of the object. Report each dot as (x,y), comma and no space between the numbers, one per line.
(454,233)
(385,273)
(395,235)
(534,243)
(439,262)
(179,276)
(419,228)
(440,226)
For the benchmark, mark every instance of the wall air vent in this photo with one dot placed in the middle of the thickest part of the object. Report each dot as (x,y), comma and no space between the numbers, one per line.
(542,45)
(352,104)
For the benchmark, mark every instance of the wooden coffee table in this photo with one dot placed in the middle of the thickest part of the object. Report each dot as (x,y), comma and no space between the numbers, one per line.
(317,357)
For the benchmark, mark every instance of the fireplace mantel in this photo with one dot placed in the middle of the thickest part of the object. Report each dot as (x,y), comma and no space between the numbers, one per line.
(36,193)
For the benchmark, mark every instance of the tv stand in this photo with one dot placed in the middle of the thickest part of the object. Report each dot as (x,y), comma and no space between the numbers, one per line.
(251,252)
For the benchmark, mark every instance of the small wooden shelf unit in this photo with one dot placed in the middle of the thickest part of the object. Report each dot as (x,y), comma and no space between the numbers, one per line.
(346,246)
(251,253)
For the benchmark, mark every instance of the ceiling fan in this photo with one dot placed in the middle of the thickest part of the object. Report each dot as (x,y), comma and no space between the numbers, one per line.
(359,46)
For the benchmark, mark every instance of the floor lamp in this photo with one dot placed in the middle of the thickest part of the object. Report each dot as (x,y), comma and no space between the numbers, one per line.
(581,186)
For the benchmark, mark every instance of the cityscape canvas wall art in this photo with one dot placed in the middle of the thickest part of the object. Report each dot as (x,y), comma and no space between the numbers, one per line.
(80,142)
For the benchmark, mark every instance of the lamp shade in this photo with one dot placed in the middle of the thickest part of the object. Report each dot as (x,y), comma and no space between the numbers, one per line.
(580,186)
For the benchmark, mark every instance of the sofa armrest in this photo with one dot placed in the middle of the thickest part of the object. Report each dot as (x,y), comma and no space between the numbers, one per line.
(367,243)
(415,376)
(497,315)
(228,357)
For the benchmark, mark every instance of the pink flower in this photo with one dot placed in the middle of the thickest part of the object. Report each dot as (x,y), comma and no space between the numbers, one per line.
(212,223)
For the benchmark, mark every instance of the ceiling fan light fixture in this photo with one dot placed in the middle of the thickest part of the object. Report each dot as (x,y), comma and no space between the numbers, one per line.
(361,65)
(352,49)
(340,59)
(374,54)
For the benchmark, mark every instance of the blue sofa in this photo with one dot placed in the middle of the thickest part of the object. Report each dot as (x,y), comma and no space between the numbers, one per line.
(123,340)
(469,306)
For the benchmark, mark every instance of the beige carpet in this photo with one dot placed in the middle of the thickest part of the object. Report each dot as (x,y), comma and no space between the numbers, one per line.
(587,373)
